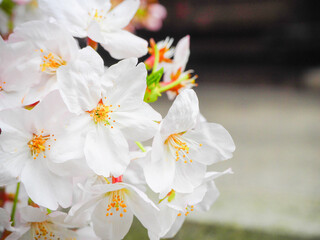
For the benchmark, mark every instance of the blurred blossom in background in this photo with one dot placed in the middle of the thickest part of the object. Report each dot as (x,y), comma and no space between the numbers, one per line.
(150,15)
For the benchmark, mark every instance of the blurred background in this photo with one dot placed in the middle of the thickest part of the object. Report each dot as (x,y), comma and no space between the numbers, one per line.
(258,63)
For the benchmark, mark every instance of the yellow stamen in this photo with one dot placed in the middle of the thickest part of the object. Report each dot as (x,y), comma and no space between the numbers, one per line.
(51,62)
(179,147)
(102,114)
(37,145)
(97,15)
(43,230)
(116,203)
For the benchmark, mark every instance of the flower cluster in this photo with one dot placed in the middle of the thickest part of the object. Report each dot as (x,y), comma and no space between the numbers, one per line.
(72,162)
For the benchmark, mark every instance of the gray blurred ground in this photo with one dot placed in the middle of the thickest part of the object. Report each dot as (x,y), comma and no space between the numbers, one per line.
(276,185)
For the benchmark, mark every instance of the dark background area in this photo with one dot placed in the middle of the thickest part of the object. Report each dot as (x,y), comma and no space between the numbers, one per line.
(246,41)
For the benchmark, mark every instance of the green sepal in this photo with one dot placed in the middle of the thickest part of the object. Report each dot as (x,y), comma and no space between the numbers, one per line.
(171,196)
(153,86)
(151,95)
(7,6)
(154,78)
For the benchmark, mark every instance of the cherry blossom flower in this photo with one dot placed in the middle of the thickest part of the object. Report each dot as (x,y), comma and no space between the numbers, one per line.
(36,149)
(181,152)
(13,70)
(176,70)
(37,224)
(150,16)
(95,20)
(155,16)
(166,52)
(52,47)
(111,109)
(175,207)
(72,130)
(23,11)
(112,207)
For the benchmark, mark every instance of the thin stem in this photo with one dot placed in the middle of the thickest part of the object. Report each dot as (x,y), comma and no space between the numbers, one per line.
(140,146)
(173,84)
(11,24)
(107,180)
(15,201)
(156,58)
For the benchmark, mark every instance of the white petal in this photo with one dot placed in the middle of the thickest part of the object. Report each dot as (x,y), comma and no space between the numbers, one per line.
(159,175)
(129,82)
(103,188)
(175,227)
(18,63)
(33,214)
(210,197)
(5,177)
(182,52)
(86,233)
(94,32)
(137,123)
(15,121)
(13,141)
(121,15)
(13,99)
(107,151)
(11,166)
(45,188)
(213,175)
(79,81)
(21,233)
(158,148)
(110,227)
(217,144)
(182,115)
(188,176)
(143,208)
(42,34)
(39,91)
(4,218)
(134,173)
(71,168)
(70,141)
(166,218)
(182,200)
(80,213)
(51,114)
(67,147)
(70,14)
(123,44)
